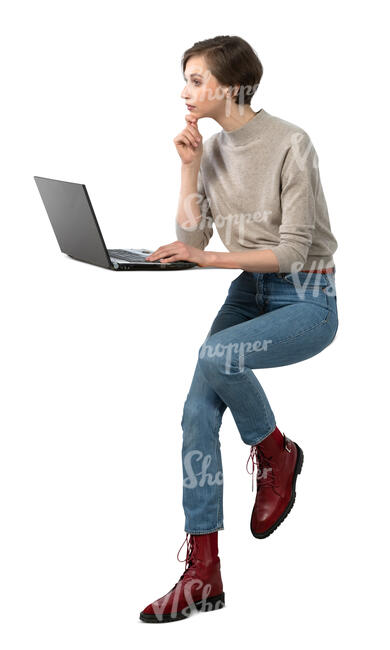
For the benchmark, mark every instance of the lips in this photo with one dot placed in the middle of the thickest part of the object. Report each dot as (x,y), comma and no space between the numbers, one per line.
(190,106)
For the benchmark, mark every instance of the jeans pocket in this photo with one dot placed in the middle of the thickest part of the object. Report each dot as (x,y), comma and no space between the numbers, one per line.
(309,280)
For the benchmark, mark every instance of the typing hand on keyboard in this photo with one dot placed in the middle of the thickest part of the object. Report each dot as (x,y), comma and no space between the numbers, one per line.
(178,251)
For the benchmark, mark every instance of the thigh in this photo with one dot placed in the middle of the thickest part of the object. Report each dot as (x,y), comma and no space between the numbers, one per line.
(295,328)
(240,304)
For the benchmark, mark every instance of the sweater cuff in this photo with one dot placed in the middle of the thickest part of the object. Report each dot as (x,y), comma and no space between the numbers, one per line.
(193,236)
(288,258)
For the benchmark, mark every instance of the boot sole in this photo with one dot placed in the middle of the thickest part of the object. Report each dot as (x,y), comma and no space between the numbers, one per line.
(298,468)
(205,605)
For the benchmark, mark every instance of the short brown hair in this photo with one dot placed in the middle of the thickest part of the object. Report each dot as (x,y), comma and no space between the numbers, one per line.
(232,61)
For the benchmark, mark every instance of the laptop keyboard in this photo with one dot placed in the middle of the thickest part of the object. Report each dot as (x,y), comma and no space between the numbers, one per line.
(127,256)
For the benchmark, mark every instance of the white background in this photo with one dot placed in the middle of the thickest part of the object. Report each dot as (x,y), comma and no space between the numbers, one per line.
(96,365)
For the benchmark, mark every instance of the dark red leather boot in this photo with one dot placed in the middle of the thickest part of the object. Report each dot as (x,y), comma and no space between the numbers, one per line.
(199,587)
(279,461)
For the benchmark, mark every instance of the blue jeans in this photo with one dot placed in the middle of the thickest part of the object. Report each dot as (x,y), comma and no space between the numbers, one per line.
(267,320)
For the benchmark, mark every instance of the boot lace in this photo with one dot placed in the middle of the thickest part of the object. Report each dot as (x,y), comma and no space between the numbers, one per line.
(189,539)
(190,547)
(262,462)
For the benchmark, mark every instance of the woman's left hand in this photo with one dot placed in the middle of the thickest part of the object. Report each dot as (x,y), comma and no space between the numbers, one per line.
(178,251)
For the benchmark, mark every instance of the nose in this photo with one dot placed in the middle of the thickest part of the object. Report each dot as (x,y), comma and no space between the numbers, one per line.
(184,94)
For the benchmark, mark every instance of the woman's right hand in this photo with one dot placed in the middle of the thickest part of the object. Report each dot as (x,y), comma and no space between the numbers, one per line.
(188,143)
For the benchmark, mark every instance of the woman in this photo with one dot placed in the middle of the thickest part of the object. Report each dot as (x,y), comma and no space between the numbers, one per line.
(258,181)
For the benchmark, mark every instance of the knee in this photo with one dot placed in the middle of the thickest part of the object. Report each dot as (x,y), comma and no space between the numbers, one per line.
(216,358)
(190,416)
(209,355)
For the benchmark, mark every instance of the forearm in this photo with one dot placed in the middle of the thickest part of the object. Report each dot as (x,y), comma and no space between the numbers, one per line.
(255,261)
(188,209)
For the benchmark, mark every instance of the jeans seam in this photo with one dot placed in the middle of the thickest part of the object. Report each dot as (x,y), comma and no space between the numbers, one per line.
(292,338)
(216,436)
(257,389)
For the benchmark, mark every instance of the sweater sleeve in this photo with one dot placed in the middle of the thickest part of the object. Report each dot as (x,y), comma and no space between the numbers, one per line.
(200,234)
(299,185)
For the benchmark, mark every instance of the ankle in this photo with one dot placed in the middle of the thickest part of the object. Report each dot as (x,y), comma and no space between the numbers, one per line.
(276,435)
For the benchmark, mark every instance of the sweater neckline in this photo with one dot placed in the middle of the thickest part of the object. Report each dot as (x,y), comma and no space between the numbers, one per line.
(246,133)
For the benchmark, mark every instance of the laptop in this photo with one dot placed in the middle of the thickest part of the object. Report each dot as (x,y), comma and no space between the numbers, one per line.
(78,233)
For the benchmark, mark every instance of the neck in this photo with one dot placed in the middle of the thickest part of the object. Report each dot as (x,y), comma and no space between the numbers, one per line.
(233,117)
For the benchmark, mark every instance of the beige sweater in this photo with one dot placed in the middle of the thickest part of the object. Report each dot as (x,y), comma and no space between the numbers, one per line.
(260,185)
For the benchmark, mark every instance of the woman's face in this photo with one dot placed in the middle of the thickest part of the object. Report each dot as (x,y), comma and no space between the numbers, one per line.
(202,89)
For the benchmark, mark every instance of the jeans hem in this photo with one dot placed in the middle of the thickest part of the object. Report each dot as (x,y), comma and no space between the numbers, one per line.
(262,437)
(203,532)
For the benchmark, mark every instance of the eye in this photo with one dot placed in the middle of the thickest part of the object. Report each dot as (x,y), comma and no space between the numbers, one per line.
(194,81)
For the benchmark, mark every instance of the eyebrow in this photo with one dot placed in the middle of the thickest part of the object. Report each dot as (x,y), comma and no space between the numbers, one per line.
(194,74)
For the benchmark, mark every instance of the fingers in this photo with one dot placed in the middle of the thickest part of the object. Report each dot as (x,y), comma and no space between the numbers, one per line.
(167,260)
(193,121)
(162,250)
(191,134)
(195,132)
(187,140)
(188,137)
